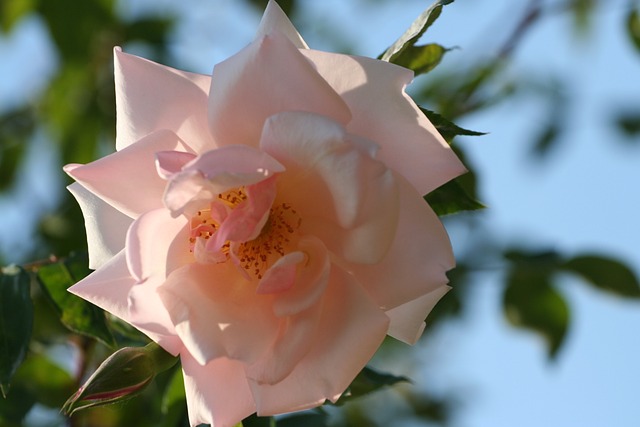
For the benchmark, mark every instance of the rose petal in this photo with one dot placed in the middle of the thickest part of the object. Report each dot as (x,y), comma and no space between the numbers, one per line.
(109,288)
(274,19)
(127,179)
(150,97)
(328,168)
(418,259)
(215,172)
(273,74)
(384,113)
(217,393)
(217,313)
(407,320)
(169,163)
(149,240)
(281,275)
(351,328)
(106,226)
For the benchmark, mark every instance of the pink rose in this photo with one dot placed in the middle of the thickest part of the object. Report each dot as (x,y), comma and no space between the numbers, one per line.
(266,223)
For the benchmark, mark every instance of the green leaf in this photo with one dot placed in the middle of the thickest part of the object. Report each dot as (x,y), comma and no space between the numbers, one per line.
(173,405)
(447,129)
(451,198)
(11,11)
(628,122)
(605,274)
(305,419)
(415,31)
(16,322)
(530,302)
(633,27)
(47,382)
(75,313)
(421,59)
(368,381)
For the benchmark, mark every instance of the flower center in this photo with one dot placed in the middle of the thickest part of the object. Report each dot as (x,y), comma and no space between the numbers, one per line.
(254,257)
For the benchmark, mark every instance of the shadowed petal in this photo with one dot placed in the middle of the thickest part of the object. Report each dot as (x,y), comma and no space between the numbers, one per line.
(384,113)
(106,226)
(407,320)
(150,97)
(349,332)
(419,257)
(217,393)
(273,74)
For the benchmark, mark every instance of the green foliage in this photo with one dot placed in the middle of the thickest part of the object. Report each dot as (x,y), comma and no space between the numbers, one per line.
(451,198)
(633,27)
(16,322)
(415,31)
(448,129)
(605,274)
(75,313)
(368,381)
(421,59)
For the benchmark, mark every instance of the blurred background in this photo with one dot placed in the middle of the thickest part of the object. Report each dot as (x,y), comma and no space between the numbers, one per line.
(541,326)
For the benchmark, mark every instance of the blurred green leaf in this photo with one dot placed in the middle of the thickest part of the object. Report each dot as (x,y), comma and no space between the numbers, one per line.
(173,404)
(75,313)
(633,27)
(16,322)
(368,381)
(415,31)
(15,128)
(15,407)
(531,302)
(628,122)
(314,418)
(451,198)
(47,382)
(11,11)
(447,128)
(606,274)
(421,59)
(582,11)
(287,6)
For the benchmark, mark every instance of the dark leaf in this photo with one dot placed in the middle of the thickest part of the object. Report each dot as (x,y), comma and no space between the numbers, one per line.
(256,421)
(605,274)
(451,198)
(421,59)
(530,302)
(367,381)
(447,129)
(11,11)
(173,405)
(305,419)
(633,27)
(16,322)
(628,122)
(47,382)
(15,407)
(415,31)
(75,313)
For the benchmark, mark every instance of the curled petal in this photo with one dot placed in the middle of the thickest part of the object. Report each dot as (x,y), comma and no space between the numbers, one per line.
(407,320)
(273,74)
(149,241)
(127,179)
(215,172)
(327,167)
(150,97)
(217,393)
(217,313)
(106,226)
(384,113)
(350,321)
(282,274)
(169,163)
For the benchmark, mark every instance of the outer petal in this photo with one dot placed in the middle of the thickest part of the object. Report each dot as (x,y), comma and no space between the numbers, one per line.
(328,168)
(407,320)
(351,329)
(418,259)
(274,19)
(150,97)
(217,313)
(384,113)
(128,179)
(217,393)
(273,74)
(106,227)
(109,288)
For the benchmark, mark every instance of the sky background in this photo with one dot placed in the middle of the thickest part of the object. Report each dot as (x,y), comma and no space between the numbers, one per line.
(583,198)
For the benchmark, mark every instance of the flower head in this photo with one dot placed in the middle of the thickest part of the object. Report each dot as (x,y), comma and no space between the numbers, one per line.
(266,223)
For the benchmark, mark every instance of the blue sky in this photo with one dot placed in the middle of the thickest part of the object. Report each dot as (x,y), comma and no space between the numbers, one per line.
(584,199)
